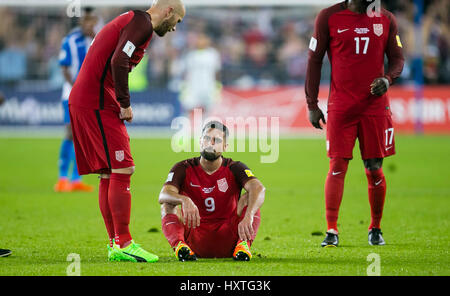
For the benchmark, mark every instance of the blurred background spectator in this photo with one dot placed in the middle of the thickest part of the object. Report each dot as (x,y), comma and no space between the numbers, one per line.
(198,72)
(257,46)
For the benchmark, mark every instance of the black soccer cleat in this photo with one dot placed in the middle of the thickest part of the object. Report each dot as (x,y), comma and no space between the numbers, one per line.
(376,238)
(5,252)
(184,253)
(242,252)
(331,240)
(241,256)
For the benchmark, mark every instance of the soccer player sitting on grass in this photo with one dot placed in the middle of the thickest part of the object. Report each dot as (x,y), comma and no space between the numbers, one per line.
(215,220)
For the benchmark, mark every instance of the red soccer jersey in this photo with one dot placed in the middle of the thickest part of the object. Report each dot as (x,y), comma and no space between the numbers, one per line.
(216,196)
(356,45)
(103,79)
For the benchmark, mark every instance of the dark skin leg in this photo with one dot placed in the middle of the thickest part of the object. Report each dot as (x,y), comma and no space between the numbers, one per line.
(373,164)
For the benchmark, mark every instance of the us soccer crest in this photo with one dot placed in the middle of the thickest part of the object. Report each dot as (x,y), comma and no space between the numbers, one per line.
(222,185)
(120,155)
(378,29)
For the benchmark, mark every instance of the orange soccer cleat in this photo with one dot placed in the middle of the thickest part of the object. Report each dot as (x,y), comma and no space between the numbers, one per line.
(184,253)
(63,185)
(242,251)
(80,186)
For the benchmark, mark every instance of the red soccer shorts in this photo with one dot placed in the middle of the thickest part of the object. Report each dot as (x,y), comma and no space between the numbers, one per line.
(375,135)
(100,139)
(216,239)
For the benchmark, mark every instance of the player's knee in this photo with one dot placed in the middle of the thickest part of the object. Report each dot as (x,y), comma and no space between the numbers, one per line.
(128,171)
(373,164)
(338,166)
(168,209)
(105,176)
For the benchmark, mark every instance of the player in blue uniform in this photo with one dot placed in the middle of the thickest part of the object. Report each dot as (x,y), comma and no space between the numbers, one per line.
(73,51)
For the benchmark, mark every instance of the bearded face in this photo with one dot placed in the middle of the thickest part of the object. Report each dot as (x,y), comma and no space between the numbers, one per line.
(210,155)
(163,28)
(212,144)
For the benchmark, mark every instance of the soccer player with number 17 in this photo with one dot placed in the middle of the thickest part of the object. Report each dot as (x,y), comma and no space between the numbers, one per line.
(356,39)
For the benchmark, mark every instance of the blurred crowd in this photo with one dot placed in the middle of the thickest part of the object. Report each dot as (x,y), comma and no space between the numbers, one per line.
(256,46)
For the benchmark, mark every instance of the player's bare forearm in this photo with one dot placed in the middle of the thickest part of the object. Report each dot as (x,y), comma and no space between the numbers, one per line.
(256,196)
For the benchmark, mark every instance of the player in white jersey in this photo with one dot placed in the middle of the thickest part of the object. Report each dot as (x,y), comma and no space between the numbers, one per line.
(201,68)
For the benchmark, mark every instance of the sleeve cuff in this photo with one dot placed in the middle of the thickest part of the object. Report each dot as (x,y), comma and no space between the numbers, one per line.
(389,79)
(124,104)
(313,106)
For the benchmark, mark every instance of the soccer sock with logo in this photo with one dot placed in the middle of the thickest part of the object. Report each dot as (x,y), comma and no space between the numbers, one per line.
(105,209)
(334,189)
(119,198)
(64,158)
(173,229)
(377,195)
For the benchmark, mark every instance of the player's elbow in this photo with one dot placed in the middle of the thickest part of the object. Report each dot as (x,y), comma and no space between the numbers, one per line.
(315,58)
(162,199)
(259,187)
(262,194)
(118,63)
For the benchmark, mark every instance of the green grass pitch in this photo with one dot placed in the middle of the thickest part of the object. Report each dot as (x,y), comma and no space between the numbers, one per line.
(42,227)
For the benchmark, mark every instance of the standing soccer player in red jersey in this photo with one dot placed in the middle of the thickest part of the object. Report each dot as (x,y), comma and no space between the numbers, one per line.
(358,107)
(215,220)
(100,102)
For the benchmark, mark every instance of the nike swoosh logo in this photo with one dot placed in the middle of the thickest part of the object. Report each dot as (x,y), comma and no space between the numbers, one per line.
(128,188)
(139,259)
(387,148)
(378,183)
(193,185)
(342,31)
(336,173)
